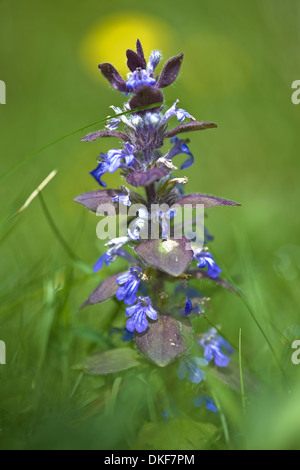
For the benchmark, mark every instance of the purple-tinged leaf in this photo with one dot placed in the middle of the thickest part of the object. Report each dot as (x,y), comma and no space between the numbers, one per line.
(207,201)
(134,61)
(196,274)
(165,339)
(170,256)
(170,71)
(140,52)
(113,76)
(108,362)
(189,127)
(145,97)
(95,135)
(144,178)
(104,291)
(92,200)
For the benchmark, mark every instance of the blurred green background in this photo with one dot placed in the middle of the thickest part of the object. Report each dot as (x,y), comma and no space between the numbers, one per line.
(240,61)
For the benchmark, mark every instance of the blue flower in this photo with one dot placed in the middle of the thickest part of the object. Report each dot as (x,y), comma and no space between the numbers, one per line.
(129,283)
(190,366)
(205,259)
(209,403)
(154,59)
(190,309)
(105,258)
(113,123)
(163,221)
(180,113)
(207,236)
(126,336)
(139,313)
(165,415)
(122,198)
(99,171)
(109,257)
(112,161)
(181,147)
(138,79)
(213,344)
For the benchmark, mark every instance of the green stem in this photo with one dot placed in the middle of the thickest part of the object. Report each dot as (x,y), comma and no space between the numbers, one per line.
(150,192)
(241,371)
(55,230)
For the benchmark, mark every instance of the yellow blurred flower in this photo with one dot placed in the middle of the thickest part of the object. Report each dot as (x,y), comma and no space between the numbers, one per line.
(108,39)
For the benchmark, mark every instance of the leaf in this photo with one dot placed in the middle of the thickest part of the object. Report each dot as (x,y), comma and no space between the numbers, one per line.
(113,76)
(93,199)
(108,362)
(134,61)
(170,256)
(165,339)
(91,334)
(230,376)
(176,433)
(207,201)
(145,97)
(104,291)
(95,135)
(140,52)
(197,274)
(189,127)
(170,71)
(144,178)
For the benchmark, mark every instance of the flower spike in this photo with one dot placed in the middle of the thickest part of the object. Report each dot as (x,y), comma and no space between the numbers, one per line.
(156,257)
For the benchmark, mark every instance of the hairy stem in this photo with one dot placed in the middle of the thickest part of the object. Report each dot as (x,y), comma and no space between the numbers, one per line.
(151,194)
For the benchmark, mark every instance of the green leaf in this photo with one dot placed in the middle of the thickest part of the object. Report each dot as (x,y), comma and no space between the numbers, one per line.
(108,362)
(175,434)
(90,334)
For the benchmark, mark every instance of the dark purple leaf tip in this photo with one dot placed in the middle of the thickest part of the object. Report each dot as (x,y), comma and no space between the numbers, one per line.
(140,52)
(113,76)
(170,71)
(134,61)
(189,127)
(207,201)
